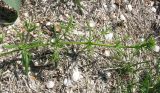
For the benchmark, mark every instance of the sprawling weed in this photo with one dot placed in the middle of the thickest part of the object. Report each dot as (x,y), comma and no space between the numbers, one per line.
(126,64)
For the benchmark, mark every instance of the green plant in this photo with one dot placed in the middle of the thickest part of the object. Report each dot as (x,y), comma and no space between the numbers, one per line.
(145,82)
(26,58)
(155,88)
(26,45)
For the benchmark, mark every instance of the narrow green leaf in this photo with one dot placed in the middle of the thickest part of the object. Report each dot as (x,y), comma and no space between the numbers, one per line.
(10,46)
(26,60)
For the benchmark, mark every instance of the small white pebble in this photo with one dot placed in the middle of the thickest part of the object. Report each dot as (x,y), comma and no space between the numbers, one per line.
(67,15)
(134,90)
(153,9)
(122,18)
(53,40)
(44,1)
(38,24)
(76,74)
(142,39)
(9,32)
(48,23)
(26,14)
(156,48)
(50,84)
(67,82)
(109,36)
(36,64)
(129,7)
(107,53)
(19,62)
(151,3)
(104,5)
(92,24)
(109,74)
(10,27)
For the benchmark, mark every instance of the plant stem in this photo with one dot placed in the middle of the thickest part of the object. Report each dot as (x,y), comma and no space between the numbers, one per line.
(6,53)
(32,45)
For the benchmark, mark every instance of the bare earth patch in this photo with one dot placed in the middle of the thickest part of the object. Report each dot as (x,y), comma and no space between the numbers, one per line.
(95,69)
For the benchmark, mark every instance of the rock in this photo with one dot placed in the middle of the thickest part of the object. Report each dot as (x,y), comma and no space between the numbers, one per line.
(48,23)
(122,18)
(109,74)
(107,53)
(153,9)
(76,74)
(129,7)
(156,48)
(67,82)
(109,36)
(92,24)
(50,84)
(26,14)
(44,1)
